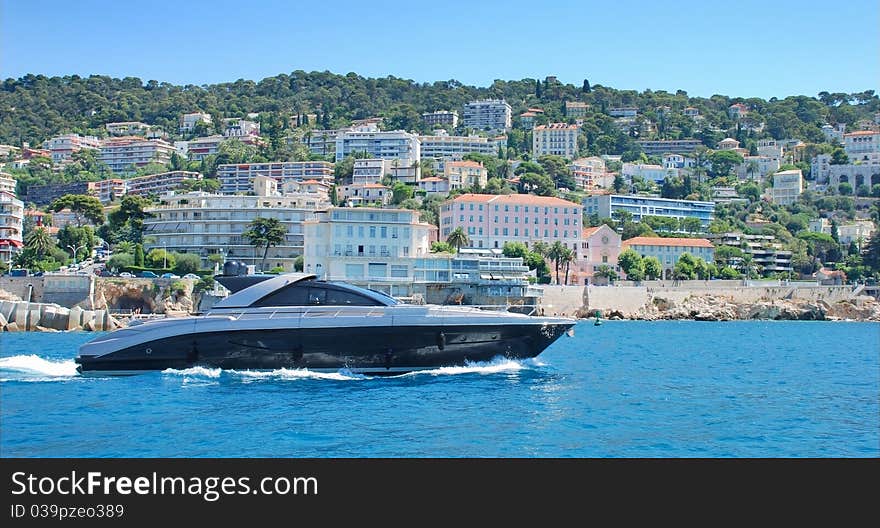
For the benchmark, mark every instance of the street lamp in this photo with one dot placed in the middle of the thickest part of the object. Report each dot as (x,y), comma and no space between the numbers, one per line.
(74,249)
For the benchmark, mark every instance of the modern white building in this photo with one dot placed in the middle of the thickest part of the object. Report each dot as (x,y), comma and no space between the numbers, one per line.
(125,155)
(590,173)
(321,142)
(7,183)
(239,177)
(859,232)
(678,161)
(757,167)
(493,115)
(438,149)
(659,147)
(62,147)
(206,224)
(159,183)
(605,205)
(623,111)
(648,172)
(361,243)
(370,170)
(559,139)
(239,128)
(461,174)
(441,117)
(787,186)
(189,121)
(11,226)
(403,148)
(359,194)
(434,186)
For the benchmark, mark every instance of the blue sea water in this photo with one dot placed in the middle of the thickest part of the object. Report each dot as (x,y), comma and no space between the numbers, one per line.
(623,389)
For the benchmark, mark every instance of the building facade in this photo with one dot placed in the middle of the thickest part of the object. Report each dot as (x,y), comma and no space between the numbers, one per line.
(127,128)
(669,250)
(239,177)
(559,139)
(648,172)
(787,186)
(461,174)
(576,109)
(491,220)
(590,173)
(440,118)
(766,251)
(493,115)
(63,147)
(370,170)
(403,148)
(360,194)
(7,183)
(207,224)
(189,121)
(862,145)
(642,206)
(125,155)
(600,246)
(434,186)
(668,146)
(440,149)
(159,183)
(11,226)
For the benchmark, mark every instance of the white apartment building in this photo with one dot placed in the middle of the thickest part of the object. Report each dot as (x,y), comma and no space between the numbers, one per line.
(11,226)
(360,243)
(441,117)
(63,147)
(623,111)
(434,186)
(558,139)
(770,148)
(370,170)
(159,183)
(189,121)
(787,186)
(238,128)
(200,148)
(239,177)
(757,167)
(358,194)
(125,155)
(648,172)
(590,173)
(461,174)
(7,183)
(576,109)
(859,232)
(862,146)
(206,224)
(488,114)
(438,149)
(399,146)
(127,128)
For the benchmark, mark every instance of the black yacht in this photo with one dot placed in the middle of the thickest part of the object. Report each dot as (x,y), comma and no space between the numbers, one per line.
(296,321)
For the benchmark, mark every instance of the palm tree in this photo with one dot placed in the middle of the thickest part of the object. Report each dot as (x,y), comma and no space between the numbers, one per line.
(265,232)
(556,253)
(541,248)
(40,241)
(752,169)
(567,259)
(458,239)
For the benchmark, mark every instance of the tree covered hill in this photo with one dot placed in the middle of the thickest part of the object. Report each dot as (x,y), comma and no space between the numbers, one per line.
(36,107)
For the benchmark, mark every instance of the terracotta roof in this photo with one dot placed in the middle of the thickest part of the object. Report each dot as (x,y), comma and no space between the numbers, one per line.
(861,133)
(528,114)
(433,179)
(557,126)
(588,232)
(672,242)
(373,186)
(314,181)
(467,163)
(518,199)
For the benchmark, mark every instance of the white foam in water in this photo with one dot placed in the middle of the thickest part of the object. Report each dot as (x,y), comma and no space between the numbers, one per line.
(488,367)
(289,374)
(35,366)
(195,371)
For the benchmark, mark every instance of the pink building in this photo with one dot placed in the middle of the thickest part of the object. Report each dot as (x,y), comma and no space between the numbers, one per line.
(490,220)
(600,246)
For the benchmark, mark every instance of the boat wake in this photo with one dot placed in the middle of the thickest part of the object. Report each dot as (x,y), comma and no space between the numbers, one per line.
(34,368)
(496,366)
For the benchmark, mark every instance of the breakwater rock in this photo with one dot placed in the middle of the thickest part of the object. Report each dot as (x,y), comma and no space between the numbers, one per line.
(21,316)
(722,308)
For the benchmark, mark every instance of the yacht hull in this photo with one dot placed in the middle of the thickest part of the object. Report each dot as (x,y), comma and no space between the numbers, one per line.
(367,349)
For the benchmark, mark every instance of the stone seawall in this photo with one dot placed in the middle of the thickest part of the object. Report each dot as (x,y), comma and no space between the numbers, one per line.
(704,300)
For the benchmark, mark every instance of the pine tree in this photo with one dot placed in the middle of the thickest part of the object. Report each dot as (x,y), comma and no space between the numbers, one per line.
(538,91)
(586,88)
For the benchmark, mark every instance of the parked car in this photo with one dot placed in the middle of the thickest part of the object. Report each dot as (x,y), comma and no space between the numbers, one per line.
(147,275)
(192,276)
(18,272)
(126,275)
(170,276)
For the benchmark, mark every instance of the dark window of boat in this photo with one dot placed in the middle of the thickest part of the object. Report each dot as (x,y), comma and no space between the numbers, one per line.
(311,294)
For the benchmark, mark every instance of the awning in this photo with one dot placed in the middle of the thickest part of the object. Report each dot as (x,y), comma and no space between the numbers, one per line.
(10,242)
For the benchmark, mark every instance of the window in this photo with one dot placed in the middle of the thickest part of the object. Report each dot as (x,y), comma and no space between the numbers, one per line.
(384,232)
(377,270)
(372,231)
(399,271)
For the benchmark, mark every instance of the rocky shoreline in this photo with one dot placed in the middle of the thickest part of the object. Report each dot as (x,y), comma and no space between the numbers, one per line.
(723,308)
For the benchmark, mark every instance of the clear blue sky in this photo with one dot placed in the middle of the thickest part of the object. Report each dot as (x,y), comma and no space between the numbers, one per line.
(743,48)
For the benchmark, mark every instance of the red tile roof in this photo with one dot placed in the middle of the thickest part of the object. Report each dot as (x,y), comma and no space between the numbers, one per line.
(862,133)
(467,163)
(518,199)
(672,242)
